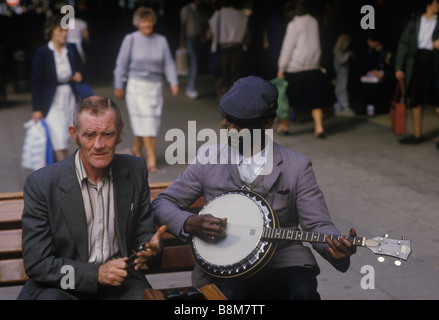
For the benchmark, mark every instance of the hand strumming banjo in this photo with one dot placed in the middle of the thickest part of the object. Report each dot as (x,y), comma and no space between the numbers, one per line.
(252,234)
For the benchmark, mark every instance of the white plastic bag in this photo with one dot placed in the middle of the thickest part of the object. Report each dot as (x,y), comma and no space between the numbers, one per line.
(181,62)
(35,145)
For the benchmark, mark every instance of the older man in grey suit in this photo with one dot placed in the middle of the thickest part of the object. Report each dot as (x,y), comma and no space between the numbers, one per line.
(290,189)
(83,216)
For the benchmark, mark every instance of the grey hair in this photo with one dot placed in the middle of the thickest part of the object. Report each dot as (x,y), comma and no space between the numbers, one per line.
(144,13)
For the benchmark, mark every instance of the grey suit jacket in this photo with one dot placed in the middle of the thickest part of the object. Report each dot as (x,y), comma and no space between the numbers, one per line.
(291,190)
(55,228)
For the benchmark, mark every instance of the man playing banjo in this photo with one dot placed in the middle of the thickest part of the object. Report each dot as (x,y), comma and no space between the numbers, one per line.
(286,194)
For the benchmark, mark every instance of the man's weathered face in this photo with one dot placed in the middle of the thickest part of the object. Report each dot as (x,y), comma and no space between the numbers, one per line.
(97,138)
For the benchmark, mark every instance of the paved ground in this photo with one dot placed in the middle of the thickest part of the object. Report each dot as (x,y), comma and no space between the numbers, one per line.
(370,182)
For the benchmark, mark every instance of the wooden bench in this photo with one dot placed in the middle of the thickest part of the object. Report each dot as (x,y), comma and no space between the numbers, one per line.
(176,256)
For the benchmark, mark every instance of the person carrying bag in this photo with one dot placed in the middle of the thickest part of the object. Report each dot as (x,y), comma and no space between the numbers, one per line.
(398,110)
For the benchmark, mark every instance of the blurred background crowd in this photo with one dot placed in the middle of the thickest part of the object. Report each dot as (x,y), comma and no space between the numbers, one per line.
(370,52)
(22,31)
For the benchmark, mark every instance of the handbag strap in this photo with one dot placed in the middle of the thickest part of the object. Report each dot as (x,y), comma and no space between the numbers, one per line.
(399,91)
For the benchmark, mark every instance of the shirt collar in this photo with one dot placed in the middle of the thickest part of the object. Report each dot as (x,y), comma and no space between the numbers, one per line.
(80,170)
(256,161)
(52,47)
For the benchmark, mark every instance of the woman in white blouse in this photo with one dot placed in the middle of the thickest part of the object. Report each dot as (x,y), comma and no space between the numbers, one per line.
(56,68)
(299,64)
(144,58)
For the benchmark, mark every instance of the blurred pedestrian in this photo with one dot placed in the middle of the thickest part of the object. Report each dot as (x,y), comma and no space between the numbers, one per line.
(377,80)
(342,56)
(417,62)
(56,68)
(78,35)
(144,58)
(193,28)
(228,26)
(299,64)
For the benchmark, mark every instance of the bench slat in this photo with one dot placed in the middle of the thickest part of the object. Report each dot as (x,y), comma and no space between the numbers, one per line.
(11,196)
(211,292)
(12,271)
(10,241)
(11,211)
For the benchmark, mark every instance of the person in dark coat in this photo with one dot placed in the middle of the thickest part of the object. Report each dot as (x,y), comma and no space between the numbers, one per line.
(56,68)
(417,63)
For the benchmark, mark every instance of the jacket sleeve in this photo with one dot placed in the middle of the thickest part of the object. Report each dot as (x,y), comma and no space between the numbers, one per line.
(288,45)
(123,62)
(37,80)
(170,69)
(75,59)
(145,227)
(169,206)
(313,212)
(404,46)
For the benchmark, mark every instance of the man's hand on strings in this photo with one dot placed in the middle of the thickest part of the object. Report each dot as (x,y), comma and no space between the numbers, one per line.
(206,226)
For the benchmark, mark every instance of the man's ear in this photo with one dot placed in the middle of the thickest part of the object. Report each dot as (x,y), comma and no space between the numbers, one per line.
(72,131)
(268,123)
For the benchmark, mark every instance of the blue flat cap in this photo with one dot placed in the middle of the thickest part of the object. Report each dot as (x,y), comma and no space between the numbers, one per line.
(249,98)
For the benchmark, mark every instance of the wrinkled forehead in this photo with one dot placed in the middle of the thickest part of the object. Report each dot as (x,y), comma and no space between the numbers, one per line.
(102,119)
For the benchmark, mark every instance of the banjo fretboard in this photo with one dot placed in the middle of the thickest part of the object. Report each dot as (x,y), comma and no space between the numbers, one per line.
(299,235)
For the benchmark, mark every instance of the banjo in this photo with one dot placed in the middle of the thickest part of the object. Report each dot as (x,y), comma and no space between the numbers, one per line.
(252,234)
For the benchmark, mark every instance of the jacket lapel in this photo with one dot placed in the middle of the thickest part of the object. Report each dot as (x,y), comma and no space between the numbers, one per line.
(123,194)
(72,209)
(273,163)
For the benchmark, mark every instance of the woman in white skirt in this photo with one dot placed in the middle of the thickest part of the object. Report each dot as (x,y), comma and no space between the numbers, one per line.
(143,59)
(299,64)
(55,69)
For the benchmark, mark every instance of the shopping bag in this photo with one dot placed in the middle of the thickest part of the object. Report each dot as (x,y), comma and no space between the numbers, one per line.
(49,150)
(181,62)
(37,148)
(283,108)
(398,110)
(83,90)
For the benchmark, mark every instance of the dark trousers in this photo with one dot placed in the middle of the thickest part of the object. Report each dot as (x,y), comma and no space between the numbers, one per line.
(294,283)
(232,68)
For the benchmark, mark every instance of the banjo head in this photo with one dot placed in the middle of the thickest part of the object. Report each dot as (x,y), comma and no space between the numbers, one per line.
(243,251)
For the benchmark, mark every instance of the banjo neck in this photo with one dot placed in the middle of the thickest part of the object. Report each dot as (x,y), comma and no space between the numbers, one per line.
(299,235)
(251,224)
